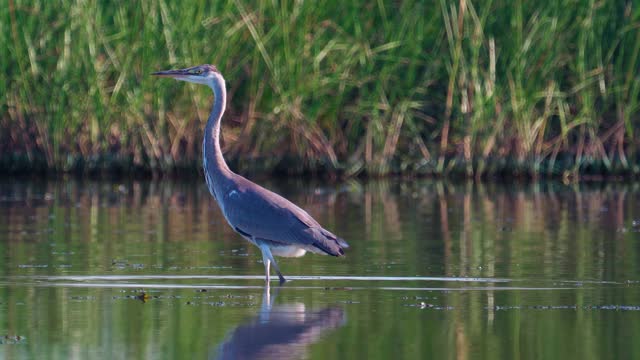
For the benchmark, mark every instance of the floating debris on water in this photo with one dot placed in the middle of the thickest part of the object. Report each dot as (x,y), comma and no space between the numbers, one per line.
(614,307)
(220,303)
(141,296)
(215,303)
(416,297)
(31,266)
(565,307)
(144,297)
(349,302)
(424,305)
(13,339)
(230,296)
(120,264)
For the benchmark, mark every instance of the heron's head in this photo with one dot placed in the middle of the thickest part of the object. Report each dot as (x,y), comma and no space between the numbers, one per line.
(201,74)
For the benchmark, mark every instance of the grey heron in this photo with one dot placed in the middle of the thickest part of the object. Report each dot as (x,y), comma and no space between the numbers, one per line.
(272,223)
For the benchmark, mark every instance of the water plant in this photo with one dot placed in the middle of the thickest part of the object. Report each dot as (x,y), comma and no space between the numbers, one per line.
(422,87)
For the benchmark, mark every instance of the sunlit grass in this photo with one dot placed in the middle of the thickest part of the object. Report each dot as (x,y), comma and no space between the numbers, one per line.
(491,87)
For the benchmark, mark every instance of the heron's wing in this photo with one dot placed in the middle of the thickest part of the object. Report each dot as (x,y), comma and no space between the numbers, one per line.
(262,214)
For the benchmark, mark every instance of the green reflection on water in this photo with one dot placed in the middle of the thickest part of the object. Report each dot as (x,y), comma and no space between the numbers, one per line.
(568,255)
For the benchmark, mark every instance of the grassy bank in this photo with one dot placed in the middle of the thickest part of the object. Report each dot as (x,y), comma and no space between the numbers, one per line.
(435,87)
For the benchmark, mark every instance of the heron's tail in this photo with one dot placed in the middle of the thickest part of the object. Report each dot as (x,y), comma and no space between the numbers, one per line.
(327,242)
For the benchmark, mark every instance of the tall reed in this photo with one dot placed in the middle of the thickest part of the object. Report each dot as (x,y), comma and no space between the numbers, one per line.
(427,87)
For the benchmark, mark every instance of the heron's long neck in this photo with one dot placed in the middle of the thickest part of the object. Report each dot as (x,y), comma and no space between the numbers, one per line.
(214,163)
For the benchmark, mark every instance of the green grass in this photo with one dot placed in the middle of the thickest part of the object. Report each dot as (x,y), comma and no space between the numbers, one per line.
(436,87)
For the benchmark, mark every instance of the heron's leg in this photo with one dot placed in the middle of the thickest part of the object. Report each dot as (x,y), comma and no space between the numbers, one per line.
(266,253)
(282,279)
(267,263)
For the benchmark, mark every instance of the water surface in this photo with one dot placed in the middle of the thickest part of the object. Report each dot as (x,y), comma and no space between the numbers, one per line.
(435,270)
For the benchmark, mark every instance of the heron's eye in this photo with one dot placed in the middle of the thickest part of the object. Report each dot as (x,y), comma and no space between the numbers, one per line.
(197,72)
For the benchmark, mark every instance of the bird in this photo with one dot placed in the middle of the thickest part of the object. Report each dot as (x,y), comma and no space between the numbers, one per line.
(274,224)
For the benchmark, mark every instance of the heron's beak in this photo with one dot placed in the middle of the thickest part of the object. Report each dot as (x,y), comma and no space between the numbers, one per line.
(178,73)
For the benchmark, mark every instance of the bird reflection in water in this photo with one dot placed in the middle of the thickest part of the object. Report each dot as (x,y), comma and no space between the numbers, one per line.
(280,332)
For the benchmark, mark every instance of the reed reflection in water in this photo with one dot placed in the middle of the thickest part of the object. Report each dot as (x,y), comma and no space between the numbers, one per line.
(565,260)
(425,228)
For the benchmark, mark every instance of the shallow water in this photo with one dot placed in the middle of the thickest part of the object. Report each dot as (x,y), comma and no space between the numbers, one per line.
(435,270)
